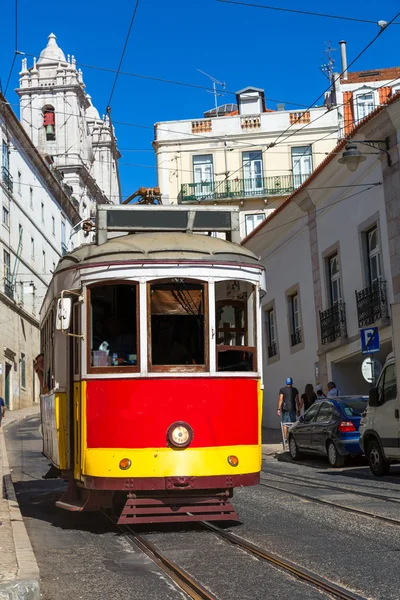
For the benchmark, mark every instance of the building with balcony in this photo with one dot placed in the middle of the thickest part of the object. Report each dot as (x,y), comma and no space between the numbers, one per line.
(243,153)
(332,258)
(37,222)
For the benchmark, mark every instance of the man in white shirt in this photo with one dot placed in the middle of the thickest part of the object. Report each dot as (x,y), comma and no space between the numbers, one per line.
(333,392)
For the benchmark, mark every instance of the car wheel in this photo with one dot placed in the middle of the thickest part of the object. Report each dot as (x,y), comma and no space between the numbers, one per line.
(293,449)
(335,459)
(377,462)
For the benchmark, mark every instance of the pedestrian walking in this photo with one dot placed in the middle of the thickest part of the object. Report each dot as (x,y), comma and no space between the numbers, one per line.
(333,392)
(2,409)
(288,403)
(308,398)
(320,392)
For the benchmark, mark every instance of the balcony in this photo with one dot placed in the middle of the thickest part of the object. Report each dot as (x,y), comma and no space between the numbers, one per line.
(372,304)
(272,350)
(296,338)
(275,185)
(7,179)
(333,323)
(8,287)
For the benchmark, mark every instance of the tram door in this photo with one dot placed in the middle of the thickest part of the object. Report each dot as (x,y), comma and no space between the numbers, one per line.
(76,393)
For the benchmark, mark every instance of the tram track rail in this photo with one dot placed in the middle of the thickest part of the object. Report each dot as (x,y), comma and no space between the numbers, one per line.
(357,511)
(179,576)
(314,483)
(304,575)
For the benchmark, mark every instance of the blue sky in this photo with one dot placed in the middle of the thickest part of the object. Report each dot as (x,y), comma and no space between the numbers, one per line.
(277,51)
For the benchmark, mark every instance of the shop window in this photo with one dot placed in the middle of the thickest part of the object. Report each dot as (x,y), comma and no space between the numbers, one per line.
(177,323)
(235,326)
(113,326)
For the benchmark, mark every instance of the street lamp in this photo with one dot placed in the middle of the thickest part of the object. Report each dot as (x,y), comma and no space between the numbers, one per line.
(352,156)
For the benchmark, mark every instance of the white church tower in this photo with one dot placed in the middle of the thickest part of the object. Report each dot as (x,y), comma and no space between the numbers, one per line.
(66,128)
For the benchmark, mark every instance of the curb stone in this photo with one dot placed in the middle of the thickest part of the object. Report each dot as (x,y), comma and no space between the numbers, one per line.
(25,585)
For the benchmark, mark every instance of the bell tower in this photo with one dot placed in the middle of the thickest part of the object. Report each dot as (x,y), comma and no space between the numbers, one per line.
(66,128)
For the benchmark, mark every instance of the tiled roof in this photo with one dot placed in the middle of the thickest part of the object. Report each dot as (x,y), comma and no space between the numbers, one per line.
(372,75)
(322,165)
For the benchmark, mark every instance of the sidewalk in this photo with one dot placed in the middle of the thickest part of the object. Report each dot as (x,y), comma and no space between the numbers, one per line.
(19,573)
(271,441)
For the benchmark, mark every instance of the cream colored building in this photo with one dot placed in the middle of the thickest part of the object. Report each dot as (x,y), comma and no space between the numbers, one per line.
(332,259)
(246,155)
(37,222)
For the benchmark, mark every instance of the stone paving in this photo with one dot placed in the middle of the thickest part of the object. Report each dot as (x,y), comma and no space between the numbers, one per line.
(19,573)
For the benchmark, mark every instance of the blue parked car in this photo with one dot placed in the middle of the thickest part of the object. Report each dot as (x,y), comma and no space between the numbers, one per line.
(329,427)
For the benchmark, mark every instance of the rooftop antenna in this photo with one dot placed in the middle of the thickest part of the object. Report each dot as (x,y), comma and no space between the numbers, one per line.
(215,92)
(327,68)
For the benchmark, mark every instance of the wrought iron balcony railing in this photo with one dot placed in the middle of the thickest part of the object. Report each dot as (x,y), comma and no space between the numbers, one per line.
(372,303)
(8,287)
(7,179)
(333,323)
(272,350)
(296,338)
(276,185)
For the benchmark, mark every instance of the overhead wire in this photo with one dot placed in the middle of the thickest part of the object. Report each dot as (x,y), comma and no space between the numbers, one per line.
(301,12)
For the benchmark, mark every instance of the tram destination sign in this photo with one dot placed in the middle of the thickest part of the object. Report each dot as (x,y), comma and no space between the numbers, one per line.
(167,218)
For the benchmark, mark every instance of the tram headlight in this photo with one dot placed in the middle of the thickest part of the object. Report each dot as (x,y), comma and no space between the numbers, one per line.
(180,435)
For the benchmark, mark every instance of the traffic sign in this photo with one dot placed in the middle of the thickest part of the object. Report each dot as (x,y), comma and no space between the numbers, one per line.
(370,340)
(371,369)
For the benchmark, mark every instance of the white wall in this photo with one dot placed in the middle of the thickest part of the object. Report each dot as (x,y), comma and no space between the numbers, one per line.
(290,265)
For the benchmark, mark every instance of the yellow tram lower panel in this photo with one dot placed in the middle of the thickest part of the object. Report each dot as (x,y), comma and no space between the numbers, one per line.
(166,462)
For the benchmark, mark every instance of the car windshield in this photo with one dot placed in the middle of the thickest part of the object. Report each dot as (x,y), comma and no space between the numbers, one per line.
(353,407)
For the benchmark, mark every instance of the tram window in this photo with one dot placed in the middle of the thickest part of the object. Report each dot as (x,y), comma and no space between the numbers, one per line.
(47,349)
(235,314)
(177,323)
(113,331)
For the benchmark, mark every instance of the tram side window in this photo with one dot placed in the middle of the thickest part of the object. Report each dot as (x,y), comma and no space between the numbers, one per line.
(46,365)
(177,323)
(113,330)
(235,314)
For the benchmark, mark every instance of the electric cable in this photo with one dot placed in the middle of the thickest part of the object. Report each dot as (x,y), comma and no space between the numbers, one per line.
(301,12)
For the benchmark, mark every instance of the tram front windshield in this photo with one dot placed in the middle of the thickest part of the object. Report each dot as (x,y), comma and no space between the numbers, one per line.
(113,325)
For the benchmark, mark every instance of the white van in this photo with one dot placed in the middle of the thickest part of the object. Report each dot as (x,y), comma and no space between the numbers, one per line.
(380,425)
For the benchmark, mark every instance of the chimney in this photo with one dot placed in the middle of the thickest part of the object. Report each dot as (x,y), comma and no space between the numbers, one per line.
(280,107)
(344,58)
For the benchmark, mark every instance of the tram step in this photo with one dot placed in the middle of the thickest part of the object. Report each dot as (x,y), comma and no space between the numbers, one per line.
(176,510)
(75,507)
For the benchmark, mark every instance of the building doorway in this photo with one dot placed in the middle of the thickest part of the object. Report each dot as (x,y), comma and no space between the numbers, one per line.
(7,385)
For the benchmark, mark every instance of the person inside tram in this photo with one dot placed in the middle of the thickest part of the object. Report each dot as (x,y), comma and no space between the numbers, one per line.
(166,349)
(120,344)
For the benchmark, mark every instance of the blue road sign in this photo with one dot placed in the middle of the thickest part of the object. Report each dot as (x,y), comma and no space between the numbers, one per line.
(369,340)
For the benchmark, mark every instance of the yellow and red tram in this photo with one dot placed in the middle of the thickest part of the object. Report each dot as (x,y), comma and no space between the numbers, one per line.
(151,337)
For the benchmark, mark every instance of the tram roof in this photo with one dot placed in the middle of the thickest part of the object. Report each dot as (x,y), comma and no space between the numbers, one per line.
(159,247)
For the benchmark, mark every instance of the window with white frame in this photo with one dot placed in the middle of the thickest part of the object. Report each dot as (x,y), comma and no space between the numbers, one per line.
(301,164)
(203,175)
(365,104)
(334,279)
(32,248)
(19,183)
(30,197)
(44,261)
(374,259)
(252,221)
(21,292)
(5,157)
(53,226)
(42,212)
(20,235)
(271,333)
(294,315)
(6,217)
(252,172)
